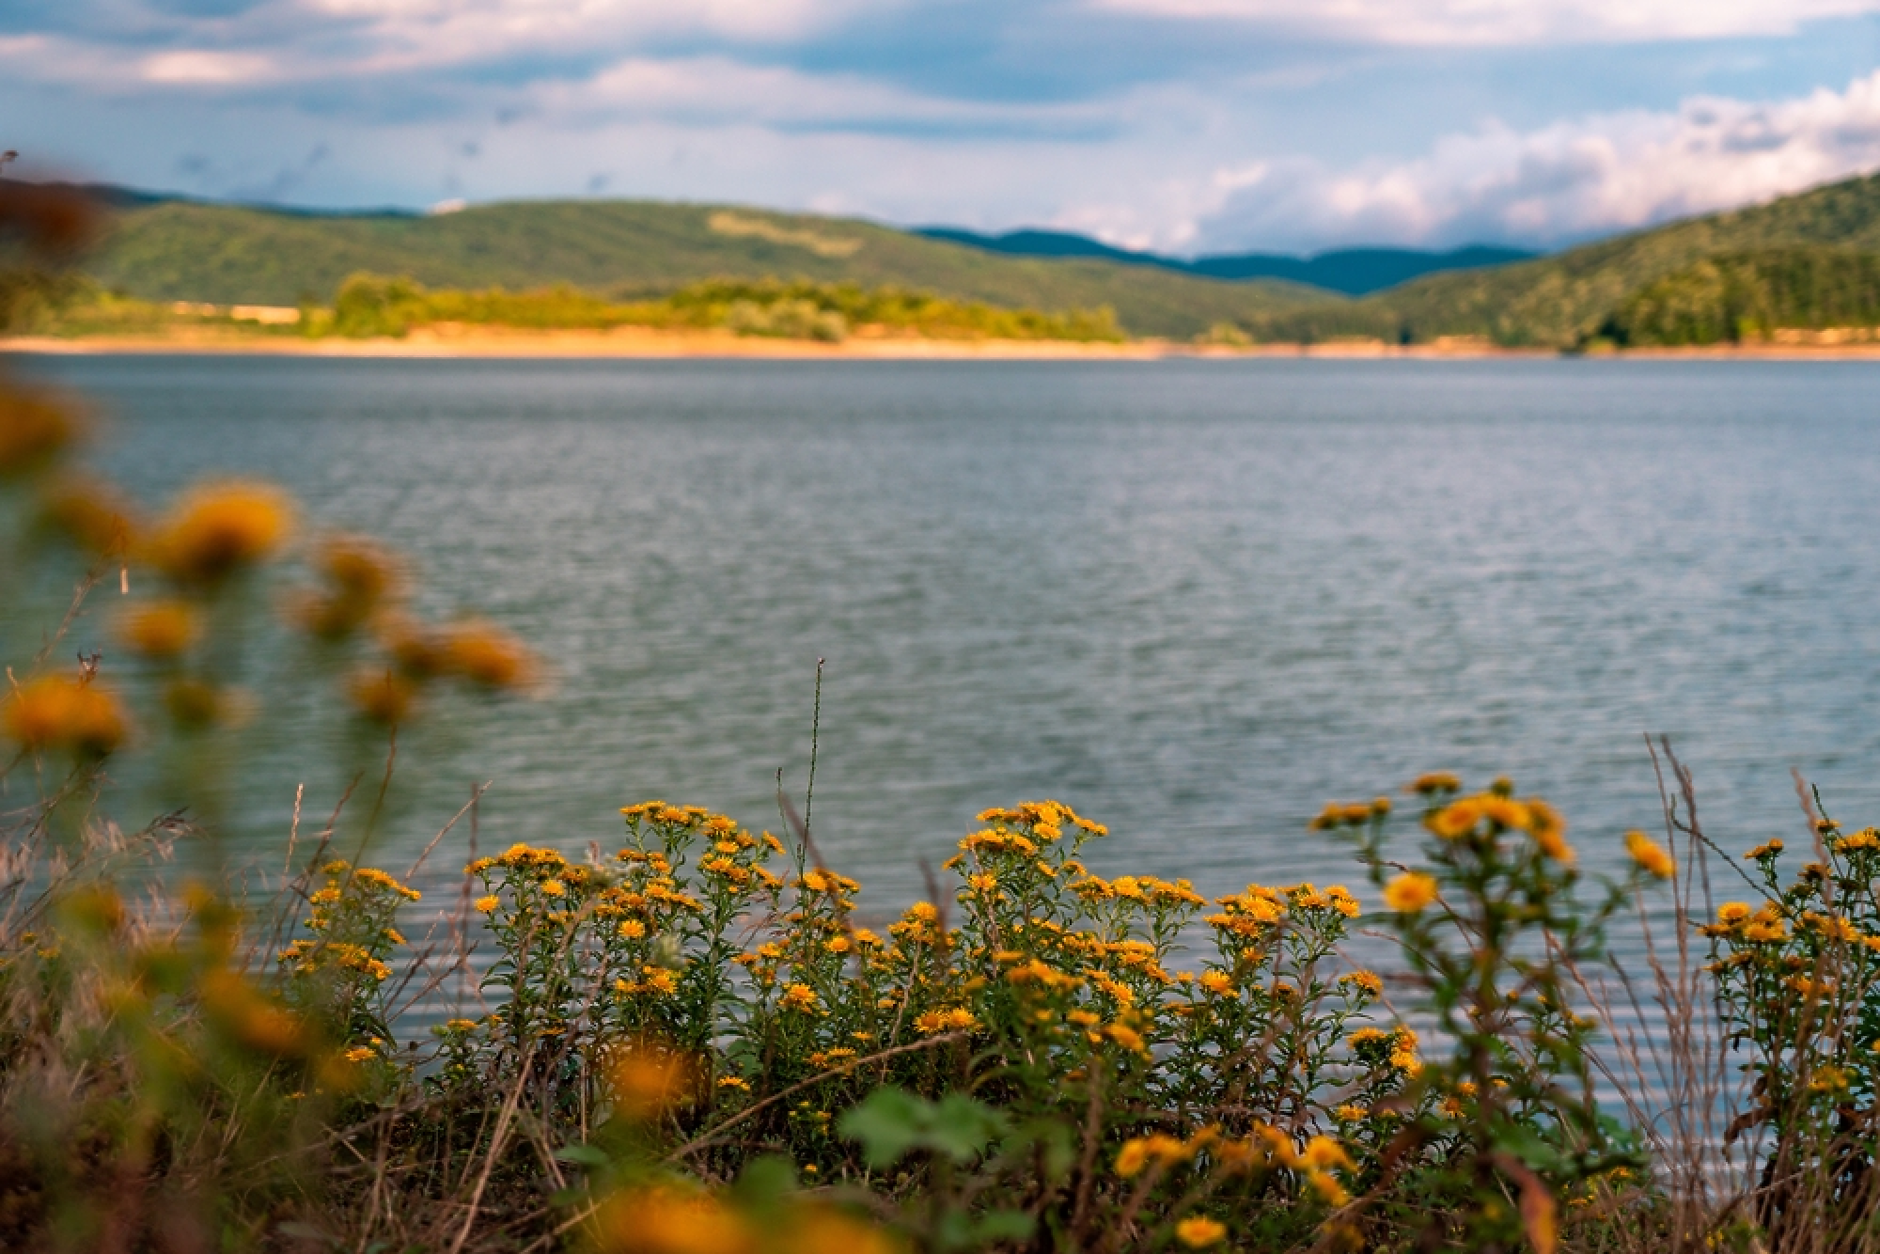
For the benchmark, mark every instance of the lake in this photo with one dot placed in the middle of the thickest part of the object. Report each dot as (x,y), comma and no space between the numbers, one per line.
(1194,599)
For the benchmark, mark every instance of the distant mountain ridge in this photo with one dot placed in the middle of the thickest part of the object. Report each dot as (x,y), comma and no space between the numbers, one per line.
(1352,271)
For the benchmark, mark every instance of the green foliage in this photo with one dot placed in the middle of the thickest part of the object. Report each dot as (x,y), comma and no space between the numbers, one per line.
(369,305)
(1798,991)
(1563,301)
(1495,936)
(1738,297)
(629,251)
(891,1124)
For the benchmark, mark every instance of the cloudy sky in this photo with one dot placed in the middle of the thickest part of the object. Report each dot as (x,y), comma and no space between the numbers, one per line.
(1187,125)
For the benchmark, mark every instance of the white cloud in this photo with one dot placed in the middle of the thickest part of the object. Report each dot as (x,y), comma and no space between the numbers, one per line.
(447,32)
(321,41)
(206,67)
(722,90)
(1567,181)
(1502,22)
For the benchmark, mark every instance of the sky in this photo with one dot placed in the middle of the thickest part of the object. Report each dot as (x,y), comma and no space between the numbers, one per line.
(1188,126)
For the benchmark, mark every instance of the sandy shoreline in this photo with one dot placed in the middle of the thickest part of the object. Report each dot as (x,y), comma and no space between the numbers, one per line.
(638,342)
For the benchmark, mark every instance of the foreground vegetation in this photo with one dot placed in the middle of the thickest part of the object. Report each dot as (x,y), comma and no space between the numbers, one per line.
(696,1039)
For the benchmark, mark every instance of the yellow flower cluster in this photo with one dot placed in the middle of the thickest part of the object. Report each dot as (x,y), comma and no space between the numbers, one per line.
(1765,925)
(1396,1048)
(954,1019)
(1266,1149)
(1484,816)
(1349,814)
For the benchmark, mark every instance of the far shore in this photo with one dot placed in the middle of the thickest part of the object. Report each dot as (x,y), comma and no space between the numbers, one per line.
(641,342)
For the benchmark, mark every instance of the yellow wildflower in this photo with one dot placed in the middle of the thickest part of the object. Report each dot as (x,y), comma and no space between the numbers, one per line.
(1410,892)
(1455,820)
(1322,1153)
(1127,1037)
(217,529)
(160,629)
(1549,831)
(1330,1191)
(1367,982)
(1650,855)
(487,656)
(1198,1231)
(1132,1158)
(1765,930)
(487,904)
(646,1079)
(56,712)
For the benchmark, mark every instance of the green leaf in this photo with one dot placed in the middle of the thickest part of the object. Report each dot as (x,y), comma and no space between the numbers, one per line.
(1005,1225)
(888,1123)
(1056,1144)
(954,1231)
(765,1181)
(961,1128)
(583,1156)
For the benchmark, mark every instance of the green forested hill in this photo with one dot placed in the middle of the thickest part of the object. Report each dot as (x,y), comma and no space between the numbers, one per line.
(1566,299)
(227,254)
(1749,296)
(1789,260)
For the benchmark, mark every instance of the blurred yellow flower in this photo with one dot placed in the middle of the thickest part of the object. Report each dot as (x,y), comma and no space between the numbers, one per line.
(382,696)
(1198,1231)
(61,712)
(488,656)
(1650,855)
(1410,892)
(217,529)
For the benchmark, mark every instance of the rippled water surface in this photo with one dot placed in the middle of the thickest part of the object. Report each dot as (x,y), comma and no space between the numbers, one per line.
(1194,599)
